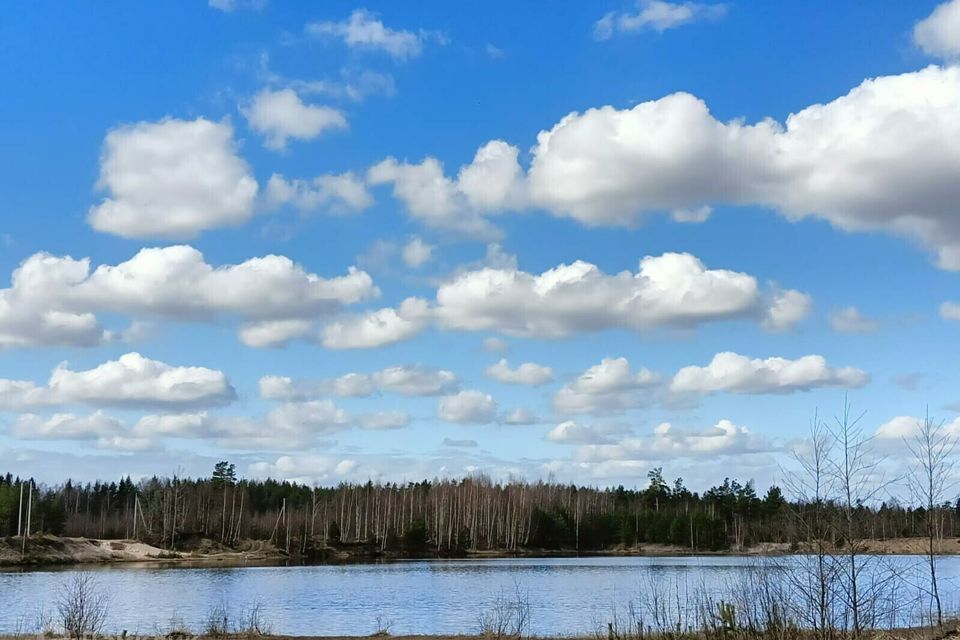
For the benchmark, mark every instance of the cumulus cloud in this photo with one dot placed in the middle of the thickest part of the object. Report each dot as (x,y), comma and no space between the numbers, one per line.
(307,469)
(467,407)
(850,320)
(734,373)
(900,428)
(378,328)
(130,381)
(363,30)
(274,333)
(879,158)
(672,290)
(66,426)
(281,115)
(407,380)
(53,300)
(172,179)
(288,426)
(607,387)
(667,441)
(874,159)
(571,432)
(176,281)
(528,373)
(337,194)
(938,34)
(656,15)
(443,203)
(416,253)
(786,310)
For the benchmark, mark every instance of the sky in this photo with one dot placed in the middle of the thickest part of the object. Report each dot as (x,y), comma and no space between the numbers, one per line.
(382,241)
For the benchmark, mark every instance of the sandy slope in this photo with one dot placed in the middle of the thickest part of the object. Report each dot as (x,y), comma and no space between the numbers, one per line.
(52,550)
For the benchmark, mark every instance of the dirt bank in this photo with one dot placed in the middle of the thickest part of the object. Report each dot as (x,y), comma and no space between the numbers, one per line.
(53,550)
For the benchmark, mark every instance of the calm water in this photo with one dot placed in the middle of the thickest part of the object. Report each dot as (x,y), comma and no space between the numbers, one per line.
(568,595)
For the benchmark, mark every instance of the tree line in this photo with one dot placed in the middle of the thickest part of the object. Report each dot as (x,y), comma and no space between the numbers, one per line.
(448,516)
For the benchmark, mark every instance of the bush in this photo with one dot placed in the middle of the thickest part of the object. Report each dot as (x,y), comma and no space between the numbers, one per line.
(82,607)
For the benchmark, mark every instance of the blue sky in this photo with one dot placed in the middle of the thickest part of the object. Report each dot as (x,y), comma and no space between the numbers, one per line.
(685,227)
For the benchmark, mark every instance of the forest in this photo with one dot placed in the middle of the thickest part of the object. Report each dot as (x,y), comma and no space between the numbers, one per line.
(440,517)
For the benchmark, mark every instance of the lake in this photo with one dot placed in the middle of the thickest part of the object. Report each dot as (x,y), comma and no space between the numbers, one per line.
(566,595)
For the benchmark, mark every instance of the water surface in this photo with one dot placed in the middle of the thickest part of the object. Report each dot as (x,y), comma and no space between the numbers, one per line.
(566,595)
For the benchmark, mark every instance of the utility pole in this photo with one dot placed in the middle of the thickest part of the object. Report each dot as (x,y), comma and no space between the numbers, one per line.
(23,547)
(20,512)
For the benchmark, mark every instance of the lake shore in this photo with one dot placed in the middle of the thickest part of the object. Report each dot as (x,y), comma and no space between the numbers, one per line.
(53,551)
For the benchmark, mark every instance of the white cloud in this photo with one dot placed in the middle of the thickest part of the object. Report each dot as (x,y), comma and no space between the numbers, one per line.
(908,427)
(274,333)
(289,426)
(656,15)
(873,159)
(176,281)
(378,328)
(431,197)
(172,179)
(229,6)
(607,387)
(408,380)
(103,431)
(734,373)
(879,158)
(612,167)
(53,300)
(363,30)
(280,115)
(570,432)
(416,253)
(467,407)
(521,416)
(384,420)
(938,34)
(950,311)
(353,85)
(786,310)
(66,426)
(130,381)
(528,373)
(672,290)
(307,469)
(667,441)
(337,194)
(850,320)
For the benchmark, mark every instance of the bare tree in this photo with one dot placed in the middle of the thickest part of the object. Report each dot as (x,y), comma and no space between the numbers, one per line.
(82,607)
(932,449)
(812,486)
(856,472)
